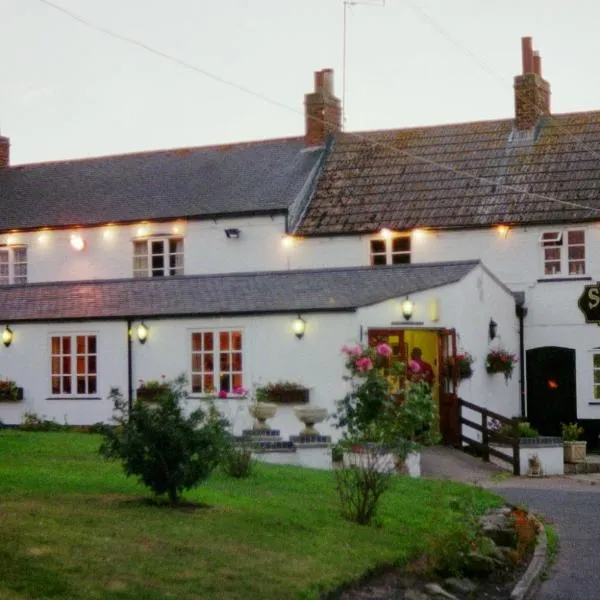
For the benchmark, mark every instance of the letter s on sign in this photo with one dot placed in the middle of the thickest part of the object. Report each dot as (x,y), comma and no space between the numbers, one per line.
(593,297)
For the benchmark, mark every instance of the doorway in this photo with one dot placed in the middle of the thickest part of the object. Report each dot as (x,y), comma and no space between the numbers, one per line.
(436,346)
(551,388)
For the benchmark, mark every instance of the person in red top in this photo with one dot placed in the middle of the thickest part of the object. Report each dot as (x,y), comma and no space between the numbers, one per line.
(419,369)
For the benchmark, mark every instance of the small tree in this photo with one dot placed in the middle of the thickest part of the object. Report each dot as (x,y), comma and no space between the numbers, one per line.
(168,451)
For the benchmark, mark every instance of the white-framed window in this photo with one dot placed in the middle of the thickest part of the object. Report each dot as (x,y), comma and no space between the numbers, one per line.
(74,368)
(596,371)
(158,257)
(563,252)
(13,265)
(217,361)
(393,251)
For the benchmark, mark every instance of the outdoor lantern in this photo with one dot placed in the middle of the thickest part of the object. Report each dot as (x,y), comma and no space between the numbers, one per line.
(142,332)
(77,242)
(299,326)
(7,336)
(232,233)
(492,329)
(407,308)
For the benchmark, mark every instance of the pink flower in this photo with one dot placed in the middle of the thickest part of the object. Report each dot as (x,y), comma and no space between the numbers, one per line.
(352,350)
(414,366)
(238,389)
(363,364)
(384,349)
(222,394)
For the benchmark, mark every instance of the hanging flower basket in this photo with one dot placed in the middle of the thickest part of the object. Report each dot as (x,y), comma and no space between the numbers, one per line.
(500,361)
(462,363)
(9,392)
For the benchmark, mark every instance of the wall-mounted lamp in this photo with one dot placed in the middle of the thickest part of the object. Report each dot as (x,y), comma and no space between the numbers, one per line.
(142,332)
(299,327)
(287,241)
(407,308)
(77,242)
(503,230)
(232,233)
(7,336)
(492,329)
(386,233)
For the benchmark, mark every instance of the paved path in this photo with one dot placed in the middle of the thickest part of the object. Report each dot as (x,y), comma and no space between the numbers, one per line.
(571,504)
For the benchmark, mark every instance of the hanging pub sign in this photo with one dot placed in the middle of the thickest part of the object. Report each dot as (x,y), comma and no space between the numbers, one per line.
(589,303)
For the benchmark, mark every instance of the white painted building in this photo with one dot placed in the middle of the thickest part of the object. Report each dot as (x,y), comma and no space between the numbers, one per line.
(238,240)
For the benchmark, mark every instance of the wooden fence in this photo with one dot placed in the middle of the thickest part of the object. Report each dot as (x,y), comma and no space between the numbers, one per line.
(489,427)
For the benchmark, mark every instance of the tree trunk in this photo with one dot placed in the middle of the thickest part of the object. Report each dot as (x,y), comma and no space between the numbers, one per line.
(173,496)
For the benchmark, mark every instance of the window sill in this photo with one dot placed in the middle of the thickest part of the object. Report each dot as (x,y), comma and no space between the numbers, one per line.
(565,278)
(593,403)
(215,398)
(73,398)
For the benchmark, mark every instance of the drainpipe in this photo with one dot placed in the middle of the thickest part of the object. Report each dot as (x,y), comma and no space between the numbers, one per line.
(521,314)
(129,366)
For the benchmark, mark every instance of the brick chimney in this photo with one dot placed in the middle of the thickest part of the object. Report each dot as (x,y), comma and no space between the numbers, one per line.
(323,112)
(4,152)
(532,91)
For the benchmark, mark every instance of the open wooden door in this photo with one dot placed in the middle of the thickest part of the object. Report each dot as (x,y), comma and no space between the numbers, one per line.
(449,407)
(395,339)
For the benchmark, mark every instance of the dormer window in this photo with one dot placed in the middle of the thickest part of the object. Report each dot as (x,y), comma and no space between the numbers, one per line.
(158,257)
(563,252)
(13,265)
(392,251)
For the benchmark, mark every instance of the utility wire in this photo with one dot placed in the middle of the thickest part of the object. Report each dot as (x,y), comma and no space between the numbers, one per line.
(362,138)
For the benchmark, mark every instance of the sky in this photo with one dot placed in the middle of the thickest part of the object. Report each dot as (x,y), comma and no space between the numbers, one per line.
(70,91)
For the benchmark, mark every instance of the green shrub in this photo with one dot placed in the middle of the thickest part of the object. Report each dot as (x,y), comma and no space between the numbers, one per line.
(168,451)
(236,460)
(571,432)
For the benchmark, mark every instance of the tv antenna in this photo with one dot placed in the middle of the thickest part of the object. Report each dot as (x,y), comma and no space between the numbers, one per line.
(347,3)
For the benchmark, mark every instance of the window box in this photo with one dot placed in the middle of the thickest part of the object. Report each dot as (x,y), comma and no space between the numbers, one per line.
(299,396)
(10,393)
(151,393)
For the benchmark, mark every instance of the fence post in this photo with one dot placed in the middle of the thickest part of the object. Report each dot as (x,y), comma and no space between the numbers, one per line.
(516,447)
(485,437)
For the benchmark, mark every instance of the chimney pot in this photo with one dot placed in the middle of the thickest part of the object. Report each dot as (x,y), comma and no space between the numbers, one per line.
(537,63)
(527,54)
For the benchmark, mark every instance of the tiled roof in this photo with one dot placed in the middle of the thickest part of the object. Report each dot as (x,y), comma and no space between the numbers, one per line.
(189,182)
(264,292)
(390,179)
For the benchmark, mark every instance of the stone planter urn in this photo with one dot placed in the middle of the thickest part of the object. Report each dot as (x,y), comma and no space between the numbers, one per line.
(310,415)
(575,452)
(262,411)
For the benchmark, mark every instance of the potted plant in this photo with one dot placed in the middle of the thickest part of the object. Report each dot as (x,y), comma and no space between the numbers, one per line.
(310,415)
(283,392)
(574,448)
(151,390)
(9,392)
(500,360)
(459,364)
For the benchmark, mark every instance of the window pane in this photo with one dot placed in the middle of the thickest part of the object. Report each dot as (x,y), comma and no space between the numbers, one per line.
(224,340)
(225,363)
(55,345)
(91,365)
(66,385)
(401,244)
(197,384)
(208,362)
(596,361)
(576,237)
(237,380)
(81,384)
(209,383)
(91,344)
(596,392)
(196,341)
(378,259)
(55,365)
(196,362)
(80,341)
(66,366)
(140,248)
(576,252)
(378,246)
(597,376)
(80,365)
(157,247)
(236,340)
(208,341)
(56,385)
(66,345)
(400,259)
(236,361)
(92,385)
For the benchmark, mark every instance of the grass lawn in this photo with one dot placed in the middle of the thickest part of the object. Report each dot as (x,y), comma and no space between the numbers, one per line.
(72,526)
